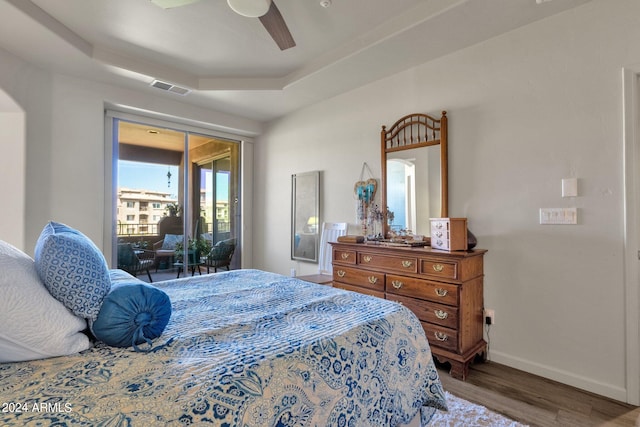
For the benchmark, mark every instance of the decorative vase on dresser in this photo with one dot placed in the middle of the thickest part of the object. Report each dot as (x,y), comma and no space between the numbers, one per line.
(444,290)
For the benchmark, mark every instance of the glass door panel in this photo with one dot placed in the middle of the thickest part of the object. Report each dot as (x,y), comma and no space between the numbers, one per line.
(217,173)
(174,187)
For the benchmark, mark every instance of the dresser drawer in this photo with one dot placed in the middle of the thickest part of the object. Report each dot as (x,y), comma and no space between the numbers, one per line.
(443,315)
(353,276)
(440,269)
(442,293)
(389,262)
(341,256)
(440,336)
(359,289)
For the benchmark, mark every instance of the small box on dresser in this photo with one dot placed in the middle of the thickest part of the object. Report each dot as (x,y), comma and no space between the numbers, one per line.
(449,234)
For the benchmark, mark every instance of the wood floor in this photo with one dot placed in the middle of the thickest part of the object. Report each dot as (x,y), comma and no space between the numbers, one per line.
(537,401)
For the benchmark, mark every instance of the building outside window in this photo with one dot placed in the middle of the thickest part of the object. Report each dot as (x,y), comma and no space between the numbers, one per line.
(139,210)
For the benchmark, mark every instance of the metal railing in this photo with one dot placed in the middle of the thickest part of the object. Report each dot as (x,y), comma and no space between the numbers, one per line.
(137,229)
(148,229)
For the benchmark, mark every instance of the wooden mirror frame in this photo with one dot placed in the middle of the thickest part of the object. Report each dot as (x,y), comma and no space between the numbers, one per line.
(414,131)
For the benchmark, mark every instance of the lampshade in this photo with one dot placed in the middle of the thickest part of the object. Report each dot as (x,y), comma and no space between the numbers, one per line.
(250,8)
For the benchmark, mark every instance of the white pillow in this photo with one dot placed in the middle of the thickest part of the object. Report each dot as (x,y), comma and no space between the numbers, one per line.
(35,325)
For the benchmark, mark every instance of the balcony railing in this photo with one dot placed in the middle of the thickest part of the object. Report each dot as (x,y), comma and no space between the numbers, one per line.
(137,229)
(146,229)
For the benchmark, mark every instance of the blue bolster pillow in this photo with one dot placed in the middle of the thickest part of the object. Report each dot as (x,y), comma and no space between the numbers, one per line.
(132,313)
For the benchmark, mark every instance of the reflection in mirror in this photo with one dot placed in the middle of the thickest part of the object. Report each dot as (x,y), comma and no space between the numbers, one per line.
(305,216)
(414,173)
(413,189)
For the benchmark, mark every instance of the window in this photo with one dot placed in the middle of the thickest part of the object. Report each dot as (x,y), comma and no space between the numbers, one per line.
(131,204)
(157,206)
(131,217)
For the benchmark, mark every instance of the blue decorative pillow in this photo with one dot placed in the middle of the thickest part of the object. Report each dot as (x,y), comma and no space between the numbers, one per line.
(170,241)
(72,269)
(132,313)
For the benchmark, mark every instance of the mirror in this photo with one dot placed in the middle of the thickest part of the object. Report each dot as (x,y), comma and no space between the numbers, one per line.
(414,184)
(305,216)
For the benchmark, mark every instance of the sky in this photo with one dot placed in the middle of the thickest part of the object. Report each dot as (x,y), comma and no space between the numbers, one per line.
(148,176)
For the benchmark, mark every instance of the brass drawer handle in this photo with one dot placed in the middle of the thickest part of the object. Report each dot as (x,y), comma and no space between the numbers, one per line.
(439,291)
(441,336)
(441,314)
(397,284)
(341,273)
(373,280)
(407,264)
(367,258)
(438,267)
(344,255)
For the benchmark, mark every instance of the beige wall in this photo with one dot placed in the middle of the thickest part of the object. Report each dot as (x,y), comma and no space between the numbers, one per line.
(12,163)
(65,143)
(525,110)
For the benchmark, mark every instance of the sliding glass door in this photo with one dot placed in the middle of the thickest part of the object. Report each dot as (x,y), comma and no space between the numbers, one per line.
(177,194)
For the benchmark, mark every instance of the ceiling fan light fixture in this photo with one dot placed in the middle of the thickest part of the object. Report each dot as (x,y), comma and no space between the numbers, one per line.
(250,8)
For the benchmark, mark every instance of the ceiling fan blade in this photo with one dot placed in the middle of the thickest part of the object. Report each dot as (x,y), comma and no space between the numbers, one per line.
(277,28)
(168,4)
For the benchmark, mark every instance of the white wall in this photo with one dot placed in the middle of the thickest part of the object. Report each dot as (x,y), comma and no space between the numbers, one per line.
(30,89)
(12,163)
(525,110)
(65,164)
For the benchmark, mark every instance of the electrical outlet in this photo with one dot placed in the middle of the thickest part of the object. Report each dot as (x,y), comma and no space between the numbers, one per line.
(489,317)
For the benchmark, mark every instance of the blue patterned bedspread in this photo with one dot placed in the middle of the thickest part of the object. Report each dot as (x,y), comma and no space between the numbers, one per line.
(243,348)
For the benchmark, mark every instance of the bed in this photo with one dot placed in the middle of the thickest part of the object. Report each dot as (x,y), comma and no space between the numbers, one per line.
(241,348)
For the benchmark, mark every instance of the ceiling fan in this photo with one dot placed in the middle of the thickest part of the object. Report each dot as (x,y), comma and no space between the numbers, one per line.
(265,10)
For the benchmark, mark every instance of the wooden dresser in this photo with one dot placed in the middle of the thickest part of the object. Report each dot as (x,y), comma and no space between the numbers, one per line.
(444,290)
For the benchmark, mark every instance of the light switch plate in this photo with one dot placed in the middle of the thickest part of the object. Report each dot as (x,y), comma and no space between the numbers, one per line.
(563,216)
(570,187)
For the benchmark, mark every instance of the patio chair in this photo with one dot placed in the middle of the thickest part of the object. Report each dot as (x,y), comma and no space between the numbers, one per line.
(135,261)
(220,255)
(165,249)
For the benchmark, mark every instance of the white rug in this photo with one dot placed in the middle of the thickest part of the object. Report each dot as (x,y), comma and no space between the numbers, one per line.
(467,414)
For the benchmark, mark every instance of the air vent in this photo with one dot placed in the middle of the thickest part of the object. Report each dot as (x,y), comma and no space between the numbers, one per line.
(170,87)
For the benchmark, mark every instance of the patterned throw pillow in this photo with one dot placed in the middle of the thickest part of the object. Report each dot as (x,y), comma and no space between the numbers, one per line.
(170,241)
(73,269)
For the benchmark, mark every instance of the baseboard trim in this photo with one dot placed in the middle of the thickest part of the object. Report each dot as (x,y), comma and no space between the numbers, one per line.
(584,383)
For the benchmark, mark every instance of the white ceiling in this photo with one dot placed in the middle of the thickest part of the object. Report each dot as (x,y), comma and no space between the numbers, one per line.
(230,61)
